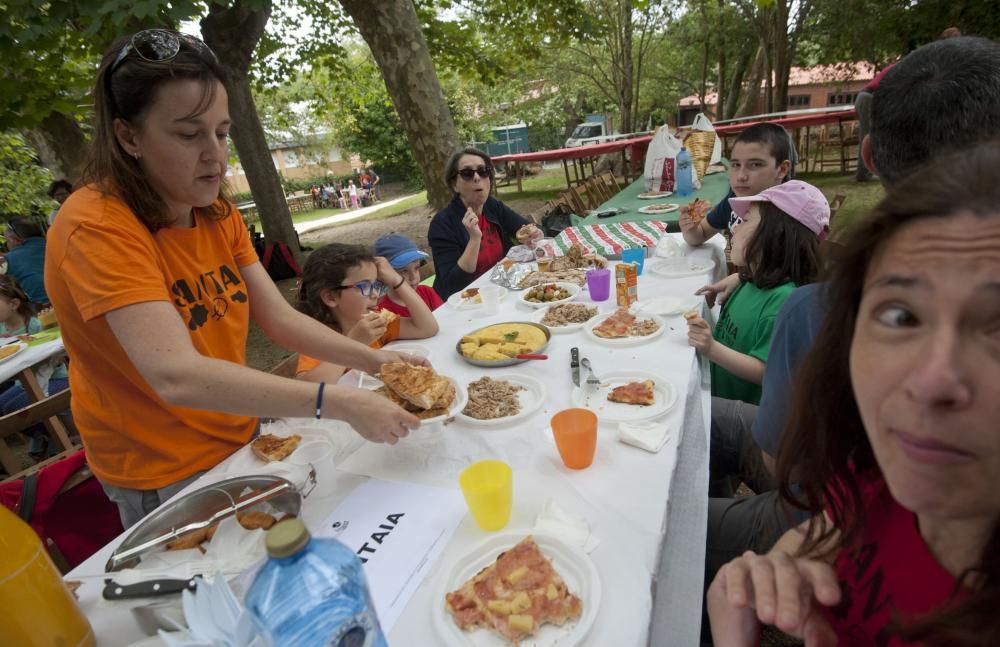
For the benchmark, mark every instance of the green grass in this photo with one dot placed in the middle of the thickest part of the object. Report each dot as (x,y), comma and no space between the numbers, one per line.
(545,185)
(861,197)
(415,200)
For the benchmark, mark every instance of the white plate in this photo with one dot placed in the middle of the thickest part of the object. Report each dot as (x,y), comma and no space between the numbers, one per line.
(654,195)
(653,211)
(570,562)
(457,302)
(20,347)
(572,288)
(531,398)
(667,306)
(596,399)
(588,328)
(684,266)
(540,314)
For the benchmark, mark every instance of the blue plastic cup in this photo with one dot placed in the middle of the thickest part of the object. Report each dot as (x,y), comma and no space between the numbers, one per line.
(635,255)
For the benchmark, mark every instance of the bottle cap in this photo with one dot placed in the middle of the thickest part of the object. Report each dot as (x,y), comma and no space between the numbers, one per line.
(286,538)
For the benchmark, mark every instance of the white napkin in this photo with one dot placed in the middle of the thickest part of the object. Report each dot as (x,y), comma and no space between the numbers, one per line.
(571,528)
(651,436)
(215,618)
(667,247)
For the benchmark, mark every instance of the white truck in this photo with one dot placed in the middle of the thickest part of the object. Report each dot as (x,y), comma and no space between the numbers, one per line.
(596,129)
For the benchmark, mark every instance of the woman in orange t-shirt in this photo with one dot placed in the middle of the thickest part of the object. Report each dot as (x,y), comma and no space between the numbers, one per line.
(341,287)
(155,281)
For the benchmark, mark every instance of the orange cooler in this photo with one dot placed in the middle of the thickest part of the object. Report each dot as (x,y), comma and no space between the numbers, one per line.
(36,608)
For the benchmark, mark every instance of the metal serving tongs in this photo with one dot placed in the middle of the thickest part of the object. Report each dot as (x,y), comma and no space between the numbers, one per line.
(235,506)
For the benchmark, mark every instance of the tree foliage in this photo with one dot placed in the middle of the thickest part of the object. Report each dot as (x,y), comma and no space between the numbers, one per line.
(23,182)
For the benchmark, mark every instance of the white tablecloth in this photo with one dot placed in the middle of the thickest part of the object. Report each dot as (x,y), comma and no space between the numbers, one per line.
(29,357)
(650,517)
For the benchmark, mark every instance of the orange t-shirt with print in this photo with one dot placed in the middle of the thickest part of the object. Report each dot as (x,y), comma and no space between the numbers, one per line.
(391,333)
(100,257)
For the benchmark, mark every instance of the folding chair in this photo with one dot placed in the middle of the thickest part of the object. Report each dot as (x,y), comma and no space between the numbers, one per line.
(611,181)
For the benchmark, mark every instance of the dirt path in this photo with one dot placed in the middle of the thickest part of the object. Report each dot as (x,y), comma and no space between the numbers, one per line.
(264,354)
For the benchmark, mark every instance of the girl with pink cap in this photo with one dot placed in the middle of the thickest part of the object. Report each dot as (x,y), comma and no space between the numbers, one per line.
(775,245)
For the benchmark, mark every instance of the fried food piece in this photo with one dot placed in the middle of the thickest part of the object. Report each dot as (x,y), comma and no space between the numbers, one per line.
(269,447)
(419,385)
(255,519)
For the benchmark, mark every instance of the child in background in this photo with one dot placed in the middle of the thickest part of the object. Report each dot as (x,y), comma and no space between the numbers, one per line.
(353,192)
(341,287)
(405,258)
(761,158)
(17,317)
(775,244)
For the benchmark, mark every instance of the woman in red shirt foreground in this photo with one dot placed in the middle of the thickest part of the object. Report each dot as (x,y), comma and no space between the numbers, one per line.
(893,442)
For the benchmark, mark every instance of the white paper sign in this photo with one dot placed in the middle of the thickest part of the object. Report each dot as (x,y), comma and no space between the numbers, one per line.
(398,530)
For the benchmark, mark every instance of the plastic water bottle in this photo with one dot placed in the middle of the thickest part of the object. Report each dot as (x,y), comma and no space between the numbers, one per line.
(312,592)
(684,184)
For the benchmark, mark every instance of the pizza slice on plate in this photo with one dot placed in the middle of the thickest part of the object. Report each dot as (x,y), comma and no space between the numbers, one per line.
(617,325)
(419,385)
(634,393)
(515,595)
(269,447)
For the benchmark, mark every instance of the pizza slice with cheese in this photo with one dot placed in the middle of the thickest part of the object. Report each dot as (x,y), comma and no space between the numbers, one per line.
(515,595)
(617,325)
(634,393)
(419,385)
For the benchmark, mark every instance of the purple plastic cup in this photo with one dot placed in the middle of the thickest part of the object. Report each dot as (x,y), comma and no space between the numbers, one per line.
(599,284)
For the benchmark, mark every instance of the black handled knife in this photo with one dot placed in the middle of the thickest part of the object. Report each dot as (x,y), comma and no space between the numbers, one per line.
(114,591)
(574,364)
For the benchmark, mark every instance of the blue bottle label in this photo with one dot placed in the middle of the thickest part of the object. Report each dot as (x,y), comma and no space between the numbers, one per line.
(360,630)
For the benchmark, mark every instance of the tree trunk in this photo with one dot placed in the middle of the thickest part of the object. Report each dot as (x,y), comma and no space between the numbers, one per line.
(720,99)
(625,91)
(781,62)
(749,104)
(61,146)
(392,31)
(233,33)
(736,83)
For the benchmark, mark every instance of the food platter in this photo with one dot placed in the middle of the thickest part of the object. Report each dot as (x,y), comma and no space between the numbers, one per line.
(570,562)
(631,340)
(667,207)
(596,399)
(568,328)
(494,363)
(530,399)
(654,195)
(20,346)
(571,288)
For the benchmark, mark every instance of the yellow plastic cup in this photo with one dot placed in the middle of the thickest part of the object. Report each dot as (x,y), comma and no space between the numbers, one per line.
(488,490)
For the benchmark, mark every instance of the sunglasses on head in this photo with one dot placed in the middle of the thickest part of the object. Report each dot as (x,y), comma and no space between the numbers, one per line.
(158,46)
(367,288)
(468,173)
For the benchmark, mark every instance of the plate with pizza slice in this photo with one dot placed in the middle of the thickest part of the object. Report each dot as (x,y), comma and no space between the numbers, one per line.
(627,396)
(660,207)
(624,328)
(654,195)
(541,591)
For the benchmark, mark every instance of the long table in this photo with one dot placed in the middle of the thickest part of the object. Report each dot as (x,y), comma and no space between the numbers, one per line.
(648,510)
(714,188)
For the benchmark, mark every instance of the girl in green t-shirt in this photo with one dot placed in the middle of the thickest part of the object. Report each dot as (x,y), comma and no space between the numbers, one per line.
(775,245)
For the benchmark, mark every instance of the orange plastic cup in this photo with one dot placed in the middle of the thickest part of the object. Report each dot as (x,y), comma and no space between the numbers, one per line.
(488,490)
(575,431)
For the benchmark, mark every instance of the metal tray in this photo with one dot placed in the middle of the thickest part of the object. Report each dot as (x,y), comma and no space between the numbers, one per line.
(203,508)
(495,363)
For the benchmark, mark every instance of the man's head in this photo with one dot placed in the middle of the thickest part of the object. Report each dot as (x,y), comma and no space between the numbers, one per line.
(18,230)
(760,159)
(59,190)
(942,97)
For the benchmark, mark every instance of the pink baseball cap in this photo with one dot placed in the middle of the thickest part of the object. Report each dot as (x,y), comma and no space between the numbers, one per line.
(800,200)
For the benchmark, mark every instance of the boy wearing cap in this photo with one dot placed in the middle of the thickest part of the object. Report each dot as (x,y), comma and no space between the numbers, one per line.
(405,258)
